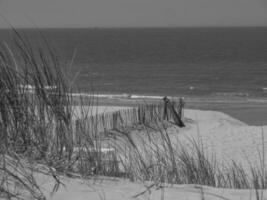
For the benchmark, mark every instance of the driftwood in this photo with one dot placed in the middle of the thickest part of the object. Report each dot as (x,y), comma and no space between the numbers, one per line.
(177,116)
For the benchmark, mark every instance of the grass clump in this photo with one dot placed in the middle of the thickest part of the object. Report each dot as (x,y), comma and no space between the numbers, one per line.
(35,108)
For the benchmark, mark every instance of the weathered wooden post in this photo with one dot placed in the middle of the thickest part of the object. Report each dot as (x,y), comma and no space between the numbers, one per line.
(176,117)
(181,107)
(165,109)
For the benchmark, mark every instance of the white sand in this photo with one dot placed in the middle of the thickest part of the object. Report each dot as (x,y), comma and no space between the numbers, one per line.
(220,133)
(227,138)
(117,189)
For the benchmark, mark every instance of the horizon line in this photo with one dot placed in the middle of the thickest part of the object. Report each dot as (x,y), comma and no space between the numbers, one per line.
(138,27)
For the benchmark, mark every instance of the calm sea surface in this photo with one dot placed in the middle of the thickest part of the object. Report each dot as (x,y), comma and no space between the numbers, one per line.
(169,61)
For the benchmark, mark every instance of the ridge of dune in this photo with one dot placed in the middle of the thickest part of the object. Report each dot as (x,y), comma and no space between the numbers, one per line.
(224,136)
(120,189)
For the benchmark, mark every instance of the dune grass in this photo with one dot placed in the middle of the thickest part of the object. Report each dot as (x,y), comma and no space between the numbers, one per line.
(35,112)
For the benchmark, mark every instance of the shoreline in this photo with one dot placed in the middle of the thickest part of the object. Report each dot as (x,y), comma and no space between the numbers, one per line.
(252,111)
(216,97)
(212,97)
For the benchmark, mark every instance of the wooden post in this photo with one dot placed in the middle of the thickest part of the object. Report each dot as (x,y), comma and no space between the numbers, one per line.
(176,117)
(181,107)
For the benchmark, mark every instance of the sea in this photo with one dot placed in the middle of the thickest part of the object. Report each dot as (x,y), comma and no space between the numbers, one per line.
(161,61)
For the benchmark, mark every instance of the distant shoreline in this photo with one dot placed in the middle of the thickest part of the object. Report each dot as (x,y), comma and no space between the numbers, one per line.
(220,98)
(251,110)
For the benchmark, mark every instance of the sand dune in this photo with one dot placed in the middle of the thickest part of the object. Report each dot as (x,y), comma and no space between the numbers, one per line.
(117,189)
(221,134)
(227,138)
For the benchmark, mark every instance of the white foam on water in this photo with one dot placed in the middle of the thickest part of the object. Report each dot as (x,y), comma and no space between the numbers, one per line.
(120,96)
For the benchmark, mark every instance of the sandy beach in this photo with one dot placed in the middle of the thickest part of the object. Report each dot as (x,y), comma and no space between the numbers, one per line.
(230,132)
(221,135)
(118,189)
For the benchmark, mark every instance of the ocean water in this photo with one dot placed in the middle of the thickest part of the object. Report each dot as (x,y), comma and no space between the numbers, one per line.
(163,61)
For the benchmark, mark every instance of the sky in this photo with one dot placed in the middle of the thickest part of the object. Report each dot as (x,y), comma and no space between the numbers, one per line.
(132,13)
